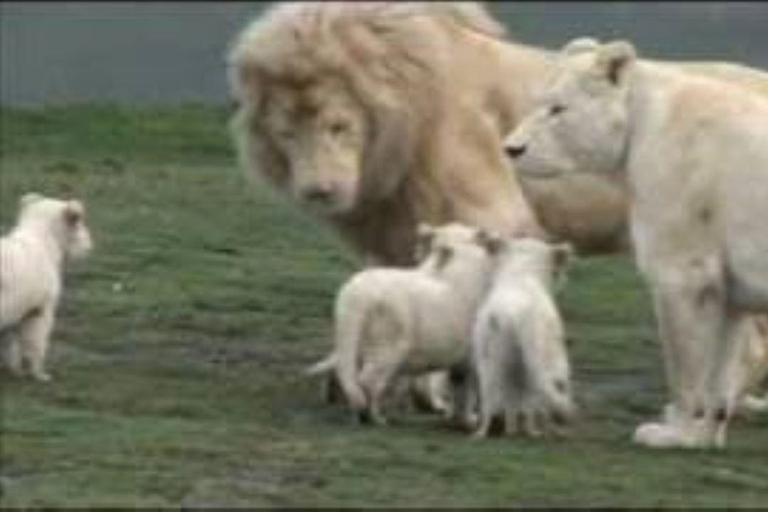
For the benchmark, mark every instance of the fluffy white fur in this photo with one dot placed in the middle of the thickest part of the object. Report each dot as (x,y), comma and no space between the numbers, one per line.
(694,153)
(48,233)
(395,321)
(519,357)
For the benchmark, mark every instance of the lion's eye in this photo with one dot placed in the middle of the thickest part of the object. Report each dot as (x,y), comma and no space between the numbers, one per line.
(557,109)
(338,128)
(285,134)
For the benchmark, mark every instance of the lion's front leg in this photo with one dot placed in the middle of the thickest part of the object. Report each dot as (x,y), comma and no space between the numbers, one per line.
(697,336)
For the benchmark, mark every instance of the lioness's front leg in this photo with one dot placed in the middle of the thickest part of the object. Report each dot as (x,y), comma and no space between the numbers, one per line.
(690,306)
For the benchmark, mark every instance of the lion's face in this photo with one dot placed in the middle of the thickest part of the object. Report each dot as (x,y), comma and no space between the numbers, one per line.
(319,130)
(581,123)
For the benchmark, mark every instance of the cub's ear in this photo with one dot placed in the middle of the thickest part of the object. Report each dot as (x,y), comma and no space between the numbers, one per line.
(73,212)
(490,241)
(580,45)
(562,255)
(425,233)
(29,198)
(614,60)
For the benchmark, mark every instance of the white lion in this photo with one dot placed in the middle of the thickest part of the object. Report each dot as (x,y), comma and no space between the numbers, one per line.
(694,153)
(48,233)
(410,321)
(519,358)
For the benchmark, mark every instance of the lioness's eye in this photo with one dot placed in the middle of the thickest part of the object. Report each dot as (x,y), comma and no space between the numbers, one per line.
(556,109)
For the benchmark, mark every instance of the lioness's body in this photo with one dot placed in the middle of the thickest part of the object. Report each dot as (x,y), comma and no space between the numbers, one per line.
(694,153)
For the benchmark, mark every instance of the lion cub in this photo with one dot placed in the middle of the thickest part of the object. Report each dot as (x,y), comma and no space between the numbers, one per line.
(393,322)
(48,233)
(519,358)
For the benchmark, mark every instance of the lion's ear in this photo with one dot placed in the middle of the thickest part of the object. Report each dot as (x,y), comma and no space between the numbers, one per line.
(614,60)
(245,82)
(580,45)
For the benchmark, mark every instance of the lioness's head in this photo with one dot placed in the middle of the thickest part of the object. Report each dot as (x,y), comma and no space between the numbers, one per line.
(581,123)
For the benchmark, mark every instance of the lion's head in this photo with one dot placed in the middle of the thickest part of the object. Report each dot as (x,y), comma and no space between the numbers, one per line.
(582,122)
(334,97)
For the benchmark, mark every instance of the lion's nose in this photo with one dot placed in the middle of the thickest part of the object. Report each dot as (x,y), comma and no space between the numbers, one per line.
(515,151)
(319,193)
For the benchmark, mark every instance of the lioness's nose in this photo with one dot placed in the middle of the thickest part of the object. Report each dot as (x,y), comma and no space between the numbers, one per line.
(514,151)
(319,193)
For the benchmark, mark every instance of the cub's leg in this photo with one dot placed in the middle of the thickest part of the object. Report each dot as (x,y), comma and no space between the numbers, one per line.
(34,336)
(490,396)
(377,377)
(12,354)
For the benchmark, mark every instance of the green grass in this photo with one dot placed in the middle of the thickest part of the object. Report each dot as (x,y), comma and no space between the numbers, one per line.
(179,345)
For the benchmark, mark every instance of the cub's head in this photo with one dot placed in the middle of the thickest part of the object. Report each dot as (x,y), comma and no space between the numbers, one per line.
(581,123)
(453,248)
(64,219)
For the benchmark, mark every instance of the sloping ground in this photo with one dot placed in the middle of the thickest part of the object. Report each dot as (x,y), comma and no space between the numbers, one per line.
(178,352)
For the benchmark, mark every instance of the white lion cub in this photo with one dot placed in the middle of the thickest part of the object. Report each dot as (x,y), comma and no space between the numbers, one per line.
(393,322)
(48,233)
(519,357)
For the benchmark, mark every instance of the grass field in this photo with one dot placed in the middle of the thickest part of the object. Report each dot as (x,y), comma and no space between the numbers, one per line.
(177,355)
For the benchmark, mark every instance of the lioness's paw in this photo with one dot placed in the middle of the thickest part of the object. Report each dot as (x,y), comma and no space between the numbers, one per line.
(664,435)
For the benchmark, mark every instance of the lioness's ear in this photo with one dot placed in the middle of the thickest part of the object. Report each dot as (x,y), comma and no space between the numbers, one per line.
(492,242)
(29,198)
(615,59)
(580,45)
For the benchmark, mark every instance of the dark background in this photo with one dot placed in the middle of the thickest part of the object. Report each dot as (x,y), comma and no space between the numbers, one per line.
(174,51)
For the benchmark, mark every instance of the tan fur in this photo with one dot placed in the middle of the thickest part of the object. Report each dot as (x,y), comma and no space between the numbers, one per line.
(426,150)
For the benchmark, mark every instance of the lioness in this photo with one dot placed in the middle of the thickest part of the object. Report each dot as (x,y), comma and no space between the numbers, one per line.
(694,152)
(48,233)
